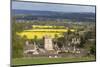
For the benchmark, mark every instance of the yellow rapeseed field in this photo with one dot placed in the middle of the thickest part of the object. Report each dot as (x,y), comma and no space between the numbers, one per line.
(40,33)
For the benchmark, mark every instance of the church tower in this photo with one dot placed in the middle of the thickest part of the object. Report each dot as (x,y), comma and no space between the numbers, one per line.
(48,45)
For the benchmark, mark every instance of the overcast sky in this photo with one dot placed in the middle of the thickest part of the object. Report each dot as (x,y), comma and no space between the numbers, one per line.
(51,7)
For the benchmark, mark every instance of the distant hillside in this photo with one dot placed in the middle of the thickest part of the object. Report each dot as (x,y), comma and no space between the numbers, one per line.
(31,15)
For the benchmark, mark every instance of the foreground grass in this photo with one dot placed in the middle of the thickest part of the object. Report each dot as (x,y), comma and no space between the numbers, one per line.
(26,61)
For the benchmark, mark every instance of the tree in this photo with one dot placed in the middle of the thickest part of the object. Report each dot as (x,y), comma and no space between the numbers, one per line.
(68,37)
(17,41)
(55,38)
(60,42)
(17,46)
(93,49)
(35,39)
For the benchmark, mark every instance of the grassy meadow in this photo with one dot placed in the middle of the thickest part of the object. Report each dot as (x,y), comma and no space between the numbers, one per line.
(44,60)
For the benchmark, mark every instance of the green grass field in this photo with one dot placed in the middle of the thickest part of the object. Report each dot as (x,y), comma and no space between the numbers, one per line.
(26,61)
